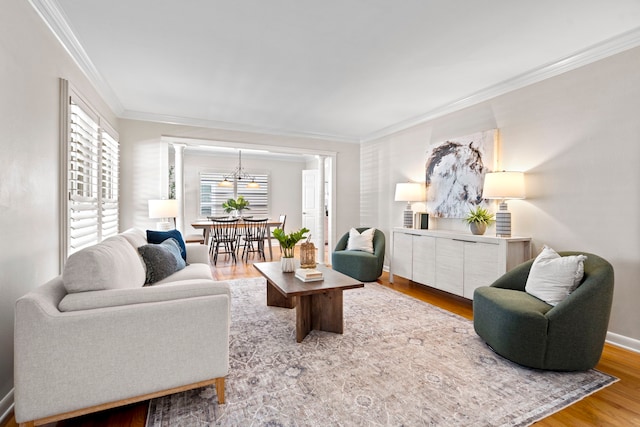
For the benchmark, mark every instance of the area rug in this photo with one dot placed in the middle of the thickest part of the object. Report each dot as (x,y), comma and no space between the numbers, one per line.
(400,362)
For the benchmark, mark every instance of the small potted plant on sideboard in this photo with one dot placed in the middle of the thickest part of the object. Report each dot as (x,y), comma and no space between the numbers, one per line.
(478,219)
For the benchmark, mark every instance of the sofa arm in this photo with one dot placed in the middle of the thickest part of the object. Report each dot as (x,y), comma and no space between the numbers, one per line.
(74,360)
(119,297)
(197,253)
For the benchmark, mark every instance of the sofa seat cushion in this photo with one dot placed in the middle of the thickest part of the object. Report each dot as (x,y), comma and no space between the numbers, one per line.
(120,297)
(190,272)
(111,264)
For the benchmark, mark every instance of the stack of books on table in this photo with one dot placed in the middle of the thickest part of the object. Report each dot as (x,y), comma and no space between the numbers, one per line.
(308,274)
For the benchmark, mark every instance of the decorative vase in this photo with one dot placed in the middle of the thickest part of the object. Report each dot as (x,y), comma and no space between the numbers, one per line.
(288,265)
(478,228)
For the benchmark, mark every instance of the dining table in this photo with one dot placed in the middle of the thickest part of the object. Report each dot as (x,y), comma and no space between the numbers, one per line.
(205,225)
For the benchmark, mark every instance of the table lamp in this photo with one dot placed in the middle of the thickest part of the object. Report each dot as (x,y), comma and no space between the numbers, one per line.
(503,186)
(165,209)
(409,192)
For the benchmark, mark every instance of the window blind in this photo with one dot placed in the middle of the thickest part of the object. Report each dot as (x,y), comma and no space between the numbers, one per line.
(212,195)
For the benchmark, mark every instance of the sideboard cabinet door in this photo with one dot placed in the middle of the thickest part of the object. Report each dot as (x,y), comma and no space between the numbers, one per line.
(450,265)
(424,260)
(481,266)
(402,261)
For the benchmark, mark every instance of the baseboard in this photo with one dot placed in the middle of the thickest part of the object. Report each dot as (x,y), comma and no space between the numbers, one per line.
(6,407)
(624,342)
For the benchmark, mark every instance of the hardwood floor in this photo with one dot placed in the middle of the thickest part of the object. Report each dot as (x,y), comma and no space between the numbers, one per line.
(616,405)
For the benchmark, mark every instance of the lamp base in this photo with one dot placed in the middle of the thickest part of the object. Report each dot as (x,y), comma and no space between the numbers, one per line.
(503,221)
(164,226)
(408,218)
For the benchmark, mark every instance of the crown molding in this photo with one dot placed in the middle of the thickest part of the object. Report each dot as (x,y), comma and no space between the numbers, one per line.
(238,127)
(604,49)
(54,17)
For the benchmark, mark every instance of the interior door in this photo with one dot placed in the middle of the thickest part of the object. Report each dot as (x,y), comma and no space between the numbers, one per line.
(310,201)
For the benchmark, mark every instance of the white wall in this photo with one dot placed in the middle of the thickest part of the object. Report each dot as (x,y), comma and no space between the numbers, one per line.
(577,138)
(285,183)
(144,167)
(31,63)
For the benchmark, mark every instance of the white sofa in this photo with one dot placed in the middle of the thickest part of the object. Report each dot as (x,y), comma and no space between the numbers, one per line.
(112,341)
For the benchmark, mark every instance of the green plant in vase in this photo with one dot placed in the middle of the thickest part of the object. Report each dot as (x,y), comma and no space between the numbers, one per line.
(478,219)
(288,244)
(239,205)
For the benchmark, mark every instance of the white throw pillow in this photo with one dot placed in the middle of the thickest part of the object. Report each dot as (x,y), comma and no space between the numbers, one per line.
(361,241)
(111,264)
(553,277)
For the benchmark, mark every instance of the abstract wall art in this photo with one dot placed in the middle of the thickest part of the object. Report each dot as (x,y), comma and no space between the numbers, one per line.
(455,172)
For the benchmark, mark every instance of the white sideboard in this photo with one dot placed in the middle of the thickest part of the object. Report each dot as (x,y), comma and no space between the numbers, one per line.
(457,263)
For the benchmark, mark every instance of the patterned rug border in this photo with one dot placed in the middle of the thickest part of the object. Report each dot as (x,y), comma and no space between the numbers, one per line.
(557,404)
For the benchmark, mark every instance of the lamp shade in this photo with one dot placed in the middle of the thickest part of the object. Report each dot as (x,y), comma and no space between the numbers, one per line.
(163,208)
(409,192)
(503,185)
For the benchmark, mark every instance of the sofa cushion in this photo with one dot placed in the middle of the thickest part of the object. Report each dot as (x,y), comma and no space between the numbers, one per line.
(119,297)
(190,272)
(553,277)
(135,236)
(161,260)
(361,241)
(111,264)
(154,236)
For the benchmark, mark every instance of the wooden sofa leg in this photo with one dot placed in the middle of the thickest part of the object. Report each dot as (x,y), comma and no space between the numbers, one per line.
(220,390)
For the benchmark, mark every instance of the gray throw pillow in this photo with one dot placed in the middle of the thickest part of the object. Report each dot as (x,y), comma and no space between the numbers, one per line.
(162,260)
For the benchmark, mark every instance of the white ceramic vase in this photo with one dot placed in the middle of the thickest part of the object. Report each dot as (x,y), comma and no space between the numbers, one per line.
(288,265)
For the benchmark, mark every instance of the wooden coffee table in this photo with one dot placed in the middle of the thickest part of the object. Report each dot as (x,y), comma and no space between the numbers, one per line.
(318,304)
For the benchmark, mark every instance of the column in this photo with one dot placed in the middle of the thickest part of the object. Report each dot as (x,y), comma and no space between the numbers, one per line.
(321,206)
(179,171)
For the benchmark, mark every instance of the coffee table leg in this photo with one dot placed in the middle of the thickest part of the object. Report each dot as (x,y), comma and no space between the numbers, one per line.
(319,311)
(276,299)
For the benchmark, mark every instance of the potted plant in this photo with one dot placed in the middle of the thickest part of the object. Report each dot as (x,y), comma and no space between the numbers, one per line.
(478,219)
(287,244)
(240,204)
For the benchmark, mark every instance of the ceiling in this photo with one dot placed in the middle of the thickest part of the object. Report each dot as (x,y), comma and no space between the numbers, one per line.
(348,70)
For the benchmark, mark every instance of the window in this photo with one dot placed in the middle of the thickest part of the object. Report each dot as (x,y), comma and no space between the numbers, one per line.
(91,151)
(212,195)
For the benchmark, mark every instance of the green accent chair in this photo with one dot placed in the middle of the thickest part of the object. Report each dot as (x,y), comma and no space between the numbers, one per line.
(530,332)
(360,265)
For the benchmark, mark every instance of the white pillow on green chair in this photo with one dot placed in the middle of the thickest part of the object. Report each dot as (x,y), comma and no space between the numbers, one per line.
(553,277)
(361,241)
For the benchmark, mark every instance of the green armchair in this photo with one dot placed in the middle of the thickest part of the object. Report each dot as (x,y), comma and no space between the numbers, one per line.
(530,332)
(360,265)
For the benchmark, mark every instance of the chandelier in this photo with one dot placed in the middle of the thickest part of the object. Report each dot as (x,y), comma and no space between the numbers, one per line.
(238,174)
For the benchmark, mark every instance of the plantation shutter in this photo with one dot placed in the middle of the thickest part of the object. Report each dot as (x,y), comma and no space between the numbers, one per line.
(109,180)
(92,168)
(84,151)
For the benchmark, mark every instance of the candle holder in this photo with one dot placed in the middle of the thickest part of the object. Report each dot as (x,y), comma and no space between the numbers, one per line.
(307,255)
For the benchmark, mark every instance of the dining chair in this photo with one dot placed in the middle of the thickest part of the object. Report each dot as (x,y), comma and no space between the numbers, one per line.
(282,219)
(223,232)
(254,232)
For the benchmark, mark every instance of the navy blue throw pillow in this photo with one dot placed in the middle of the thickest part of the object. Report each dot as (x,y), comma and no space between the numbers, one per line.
(156,237)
